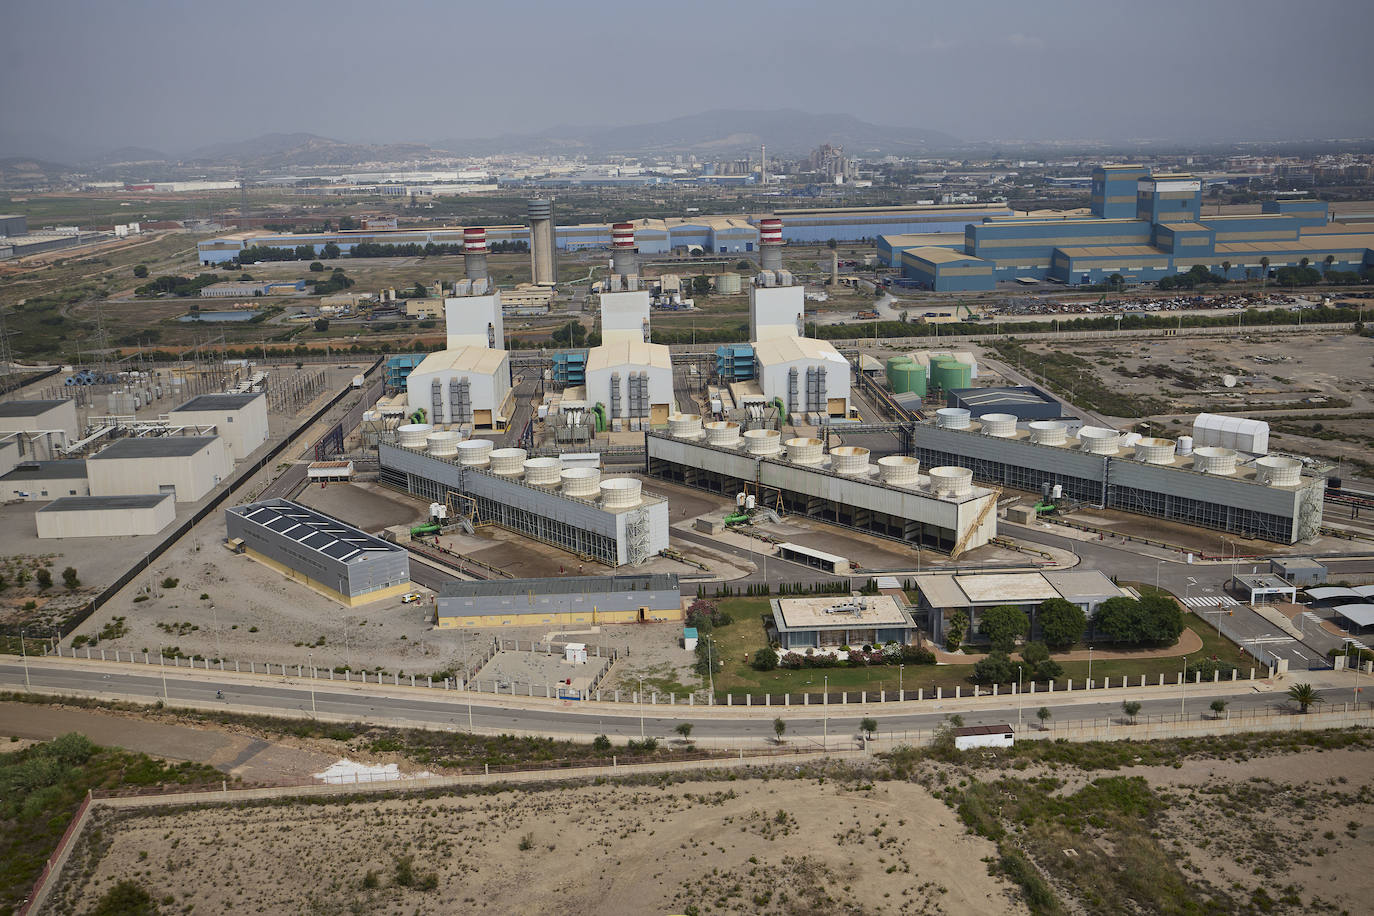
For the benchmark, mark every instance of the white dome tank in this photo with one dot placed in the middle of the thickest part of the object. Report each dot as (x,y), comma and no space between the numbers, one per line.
(620,493)
(1211,459)
(475,453)
(1155,451)
(508,460)
(952,418)
(850,460)
(723,433)
(1048,432)
(900,470)
(762,442)
(582,482)
(543,472)
(1098,441)
(1001,425)
(684,426)
(444,443)
(413,435)
(1185,445)
(951,481)
(804,451)
(1279,471)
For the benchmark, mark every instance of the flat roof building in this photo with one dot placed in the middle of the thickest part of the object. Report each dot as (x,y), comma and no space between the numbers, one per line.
(239,419)
(1298,570)
(186,466)
(39,480)
(829,623)
(322,553)
(44,423)
(943,594)
(106,516)
(591,600)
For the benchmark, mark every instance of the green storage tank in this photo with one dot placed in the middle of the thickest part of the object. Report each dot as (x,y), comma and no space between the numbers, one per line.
(948,374)
(905,375)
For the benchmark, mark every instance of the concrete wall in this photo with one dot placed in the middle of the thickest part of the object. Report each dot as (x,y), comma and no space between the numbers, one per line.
(243,431)
(192,475)
(106,523)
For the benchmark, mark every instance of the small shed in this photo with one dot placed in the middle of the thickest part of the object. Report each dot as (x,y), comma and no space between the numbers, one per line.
(575,653)
(1298,570)
(689,638)
(971,736)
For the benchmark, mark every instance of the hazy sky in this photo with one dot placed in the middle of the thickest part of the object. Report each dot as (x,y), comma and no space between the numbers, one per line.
(97,74)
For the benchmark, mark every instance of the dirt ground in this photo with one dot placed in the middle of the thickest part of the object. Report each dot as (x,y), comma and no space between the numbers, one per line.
(762,846)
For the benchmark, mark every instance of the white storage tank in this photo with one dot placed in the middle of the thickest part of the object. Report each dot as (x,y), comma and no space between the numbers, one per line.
(1001,425)
(951,481)
(899,470)
(581,482)
(1279,471)
(722,432)
(684,426)
(762,442)
(804,451)
(1098,441)
(508,460)
(1155,451)
(475,453)
(1048,432)
(444,443)
(952,418)
(620,493)
(1211,459)
(850,460)
(414,435)
(543,472)
(1185,445)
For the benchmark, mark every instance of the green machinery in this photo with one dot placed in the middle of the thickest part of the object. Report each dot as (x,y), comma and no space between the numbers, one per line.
(422,530)
(737,518)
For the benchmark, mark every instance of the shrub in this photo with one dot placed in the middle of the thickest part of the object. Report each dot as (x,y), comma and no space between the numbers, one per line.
(69,577)
(170,583)
(995,669)
(765,659)
(127,898)
(601,743)
(1062,623)
(43,578)
(1003,625)
(917,655)
(956,631)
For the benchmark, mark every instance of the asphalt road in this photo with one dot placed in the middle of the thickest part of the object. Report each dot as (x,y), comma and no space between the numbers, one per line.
(454,711)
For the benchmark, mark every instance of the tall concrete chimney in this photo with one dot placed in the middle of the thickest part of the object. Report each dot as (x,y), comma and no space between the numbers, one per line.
(475,252)
(543,258)
(770,243)
(834,268)
(624,254)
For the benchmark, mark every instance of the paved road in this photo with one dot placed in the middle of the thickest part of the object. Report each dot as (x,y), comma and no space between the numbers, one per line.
(487,714)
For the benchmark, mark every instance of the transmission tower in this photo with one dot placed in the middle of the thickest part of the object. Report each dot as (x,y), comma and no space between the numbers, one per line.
(6,355)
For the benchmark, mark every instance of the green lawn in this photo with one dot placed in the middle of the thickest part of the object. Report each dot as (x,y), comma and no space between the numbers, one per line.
(736,643)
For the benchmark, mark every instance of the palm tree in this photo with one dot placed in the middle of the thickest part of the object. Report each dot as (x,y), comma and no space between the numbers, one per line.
(1226,269)
(1264,271)
(1304,262)
(1305,695)
(1329,260)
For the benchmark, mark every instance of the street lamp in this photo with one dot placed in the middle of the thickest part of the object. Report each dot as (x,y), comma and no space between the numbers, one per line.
(1182,688)
(1090,667)
(310,660)
(825,712)
(641,709)
(162,666)
(1018,697)
(901,694)
(24,653)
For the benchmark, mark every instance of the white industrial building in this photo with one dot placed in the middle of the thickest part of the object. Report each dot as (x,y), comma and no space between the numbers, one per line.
(805,374)
(777,307)
(239,419)
(36,481)
(186,466)
(106,516)
(43,426)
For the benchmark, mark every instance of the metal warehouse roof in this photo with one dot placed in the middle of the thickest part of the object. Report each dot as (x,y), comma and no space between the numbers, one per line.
(561,585)
(935,255)
(478,360)
(158,447)
(47,470)
(1327,592)
(985,397)
(1115,251)
(220,401)
(785,349)
(314,531)
(105,503)
(616,354)
(1362,615)
(29,408)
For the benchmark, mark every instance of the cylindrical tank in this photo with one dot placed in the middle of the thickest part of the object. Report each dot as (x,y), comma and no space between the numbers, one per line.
(901,470)
(620,493)
(1185,445)
(722,432)
(952,418)
(947,373)
(1048,432)
(850,460)
(508,460)
(475,453)
(1211,459)
(582,482)
(762,442)
(543,472)
(1152,450)
(413,435)
(750,502)
(1057,492)
(804,451)
(444,443)
(951,481)
(1279,471)
(684,426)
(727,284)
(1098,441)
(905,375)
(1001,425)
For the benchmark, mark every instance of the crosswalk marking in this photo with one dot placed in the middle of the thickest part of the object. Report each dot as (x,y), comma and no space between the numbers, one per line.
(1211,601)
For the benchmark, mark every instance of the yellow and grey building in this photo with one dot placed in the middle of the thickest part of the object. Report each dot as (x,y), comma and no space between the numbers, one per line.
(591,600)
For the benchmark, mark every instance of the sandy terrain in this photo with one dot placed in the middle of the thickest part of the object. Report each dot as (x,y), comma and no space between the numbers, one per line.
(751,845)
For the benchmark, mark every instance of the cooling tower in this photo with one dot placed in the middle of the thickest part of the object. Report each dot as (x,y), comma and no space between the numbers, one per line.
(444,444)
(952,418)
(1212,459)
(850,460)
(543,472)
(1279,471)
(620,493)
(1098,441)
(1000,425)
(508,461)
(951,481)
(1048,432)
(684,426)
(762,442)
(413,435)
(581,482)
(723,433)
(475,453)
(900,470)
(1155,451)
(804,451)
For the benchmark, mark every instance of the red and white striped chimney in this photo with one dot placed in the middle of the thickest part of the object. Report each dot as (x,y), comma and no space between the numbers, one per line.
(770,243)
(475,252)
(624,254)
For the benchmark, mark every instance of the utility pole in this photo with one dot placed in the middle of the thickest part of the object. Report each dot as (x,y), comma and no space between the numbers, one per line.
(24,653)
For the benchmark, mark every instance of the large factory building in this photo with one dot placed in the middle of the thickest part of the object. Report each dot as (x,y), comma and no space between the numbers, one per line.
(591,600)
(1207,480)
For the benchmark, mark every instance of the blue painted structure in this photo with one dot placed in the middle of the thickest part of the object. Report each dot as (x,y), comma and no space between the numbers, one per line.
(735,362)
(570,368)
(398,370)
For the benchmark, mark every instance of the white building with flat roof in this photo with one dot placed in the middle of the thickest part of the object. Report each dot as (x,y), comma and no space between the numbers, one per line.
(831,622)
(463,386)
(188,467)
(239,419)
(806,374)
(633,379)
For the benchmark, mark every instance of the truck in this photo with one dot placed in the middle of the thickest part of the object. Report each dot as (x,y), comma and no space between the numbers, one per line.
(867,314)
(359,381)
